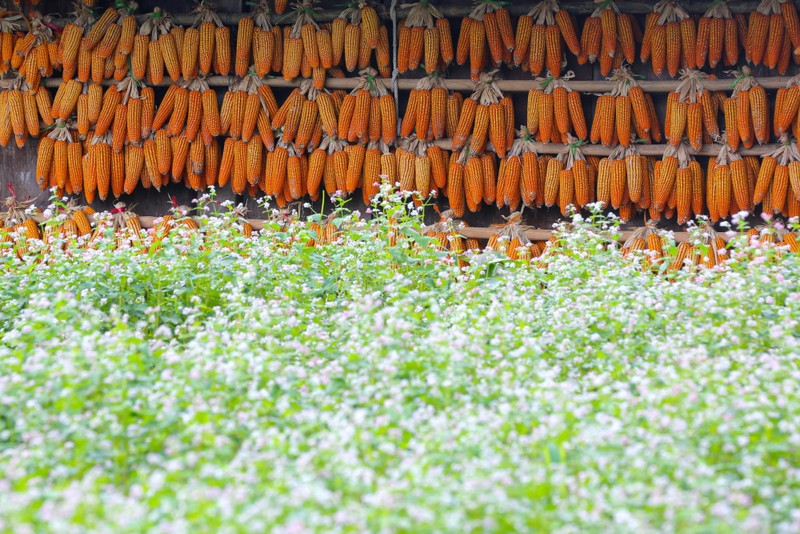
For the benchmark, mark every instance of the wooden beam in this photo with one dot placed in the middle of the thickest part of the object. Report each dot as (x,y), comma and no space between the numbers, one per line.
(461,10)
(476,232)
(507,86)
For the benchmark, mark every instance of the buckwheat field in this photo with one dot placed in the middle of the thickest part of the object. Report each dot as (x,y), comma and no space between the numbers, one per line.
(375,381)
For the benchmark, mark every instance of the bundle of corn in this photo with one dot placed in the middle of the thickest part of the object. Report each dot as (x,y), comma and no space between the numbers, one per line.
(286,172)
(10,24)
(380,161)
(21,111)
(471,179)
(18,227)
(729,189)
(518,179)
(787,103)
(103,52)
(155,49)
(207,45)
(486,116)
(691,110)
(747,112)
(249,104)
(302,53)
(677,184)
(670,39)
(355,33)
(69,223)
(189,107)
(422,168)
(58,161)
(625,113)
(778,183)
(648,241)
(623,178)
(486,38)
(368,113)
(778,235)
(705,248)
(121,224)
(327,166)
(773,24)
(510,239)
(554,110)
(257,34)
(427,112)
(424,39)
(538,39)
(718,30)
(35,55)
(568,180)
(446,231)
(603,32)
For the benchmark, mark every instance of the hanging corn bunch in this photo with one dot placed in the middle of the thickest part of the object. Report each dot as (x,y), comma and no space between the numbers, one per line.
(189,107)
(486,38)
(302,55)
(121,224)
(487,116)
(21,110)
(58,161)
(9,26)
(285,173)
(424,38)
(510,239)
(649,241)
(690,254)
(787,103)
(778,182)
(17,225)
(729,190)
(717,32)
(748,120)
(355,33)
(248,107)
(555,110)
(32,56)
(325,167)
(770,25)
(623,178)
(213,43)
(426,112)
(446,232)
(259,43)
(518,179)
(70,223)
(368,113)
(95,56)
(604,32)
(567,178)
(155,49)
(538,42)
(421,168)
(478,174)
(373,169)
(677,178)
(670,39)
(691,111)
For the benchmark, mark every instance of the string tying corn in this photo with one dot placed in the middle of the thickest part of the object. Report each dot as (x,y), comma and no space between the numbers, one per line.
(424,39)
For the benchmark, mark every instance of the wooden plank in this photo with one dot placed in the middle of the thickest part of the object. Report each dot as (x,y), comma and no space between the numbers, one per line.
(643,149)
(454,11)
(476,232)
(508,86)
